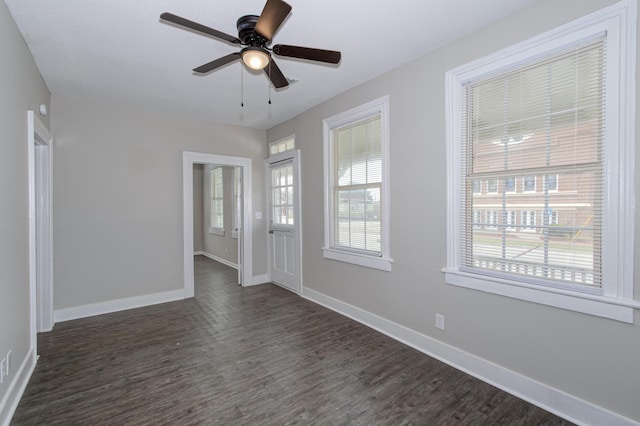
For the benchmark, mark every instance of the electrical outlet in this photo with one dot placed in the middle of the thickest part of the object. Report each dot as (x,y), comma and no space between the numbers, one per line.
(440,321)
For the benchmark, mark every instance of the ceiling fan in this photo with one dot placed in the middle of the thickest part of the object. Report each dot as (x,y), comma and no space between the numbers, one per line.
(255,34)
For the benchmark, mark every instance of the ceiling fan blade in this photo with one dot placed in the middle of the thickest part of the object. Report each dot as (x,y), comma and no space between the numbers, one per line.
(275,75)
(199,27)
(272,16)
(320,55)
(207,68)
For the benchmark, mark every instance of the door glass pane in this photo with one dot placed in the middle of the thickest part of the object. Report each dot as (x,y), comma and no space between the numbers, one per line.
(282,194)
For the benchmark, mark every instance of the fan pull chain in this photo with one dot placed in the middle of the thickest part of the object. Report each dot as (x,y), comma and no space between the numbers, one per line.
(269,84)
(241,86)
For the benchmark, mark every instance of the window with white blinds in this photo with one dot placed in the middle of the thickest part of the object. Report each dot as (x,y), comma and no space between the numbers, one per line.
(355,197)
(542,120)
(217,200)
(547,127)
(355,150)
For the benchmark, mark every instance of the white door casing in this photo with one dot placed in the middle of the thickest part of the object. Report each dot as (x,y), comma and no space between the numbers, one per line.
(246,229)
(40,142)
(238,181)
(283,183)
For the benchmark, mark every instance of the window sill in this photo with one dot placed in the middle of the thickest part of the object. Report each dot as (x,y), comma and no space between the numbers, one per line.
(602,306)
(217,231)
(380,263)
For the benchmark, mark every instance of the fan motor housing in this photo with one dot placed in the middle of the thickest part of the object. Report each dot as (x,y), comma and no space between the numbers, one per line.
(246,31)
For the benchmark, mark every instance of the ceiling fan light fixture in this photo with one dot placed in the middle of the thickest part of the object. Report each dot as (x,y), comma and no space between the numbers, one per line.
(255,58)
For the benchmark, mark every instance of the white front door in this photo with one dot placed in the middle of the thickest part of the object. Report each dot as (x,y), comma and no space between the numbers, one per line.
(284,223)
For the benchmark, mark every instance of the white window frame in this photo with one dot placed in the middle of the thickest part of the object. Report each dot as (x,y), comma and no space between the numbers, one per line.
(528,220)
(615,300)
(515,183)
(510,220)
(524,182)
(545,181)
(477,219)
(477,182)
(495,189)
(491,219)
(215,230)
(375,107)
(283,141)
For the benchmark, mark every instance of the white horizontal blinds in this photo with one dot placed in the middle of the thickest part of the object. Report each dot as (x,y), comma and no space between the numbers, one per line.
(357,180)
(538,132)
(217,198)
(282,194)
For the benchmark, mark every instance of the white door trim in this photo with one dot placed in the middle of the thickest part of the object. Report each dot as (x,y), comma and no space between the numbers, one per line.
(188,160)
(39,143)
(294,156)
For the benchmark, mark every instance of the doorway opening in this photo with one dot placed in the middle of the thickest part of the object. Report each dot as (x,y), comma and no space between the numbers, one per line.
(217,214)
(39,142)
(244,230)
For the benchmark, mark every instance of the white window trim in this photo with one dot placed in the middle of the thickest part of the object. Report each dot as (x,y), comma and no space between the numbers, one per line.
(489,191)
(535,184)
(271,144)
(380,105)
(526,225)
(213,229)
(491,219)
(544,182)
(511,226)
(616,301)
(515,186)
(479,191)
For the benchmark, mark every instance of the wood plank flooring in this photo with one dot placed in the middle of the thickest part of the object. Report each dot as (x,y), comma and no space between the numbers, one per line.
(249,356)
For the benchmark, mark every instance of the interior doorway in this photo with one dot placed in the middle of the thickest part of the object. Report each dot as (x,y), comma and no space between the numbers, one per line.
(39,142)
(245,230)
(217,218)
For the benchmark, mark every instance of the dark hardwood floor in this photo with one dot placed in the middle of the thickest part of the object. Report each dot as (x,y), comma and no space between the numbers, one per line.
(249,356)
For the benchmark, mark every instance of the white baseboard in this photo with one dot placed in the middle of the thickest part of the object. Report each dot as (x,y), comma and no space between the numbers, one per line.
(217,259)
(551,399)
(256,279)
(100,308)
(259,279)
(16,388)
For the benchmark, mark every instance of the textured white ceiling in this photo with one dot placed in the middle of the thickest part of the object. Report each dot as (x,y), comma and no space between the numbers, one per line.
(118,50)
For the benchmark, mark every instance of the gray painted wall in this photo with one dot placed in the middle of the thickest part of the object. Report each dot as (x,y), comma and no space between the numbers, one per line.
(595,359)
(224,247)
(118,197)
(198,230)
(21,89)
(117,211)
